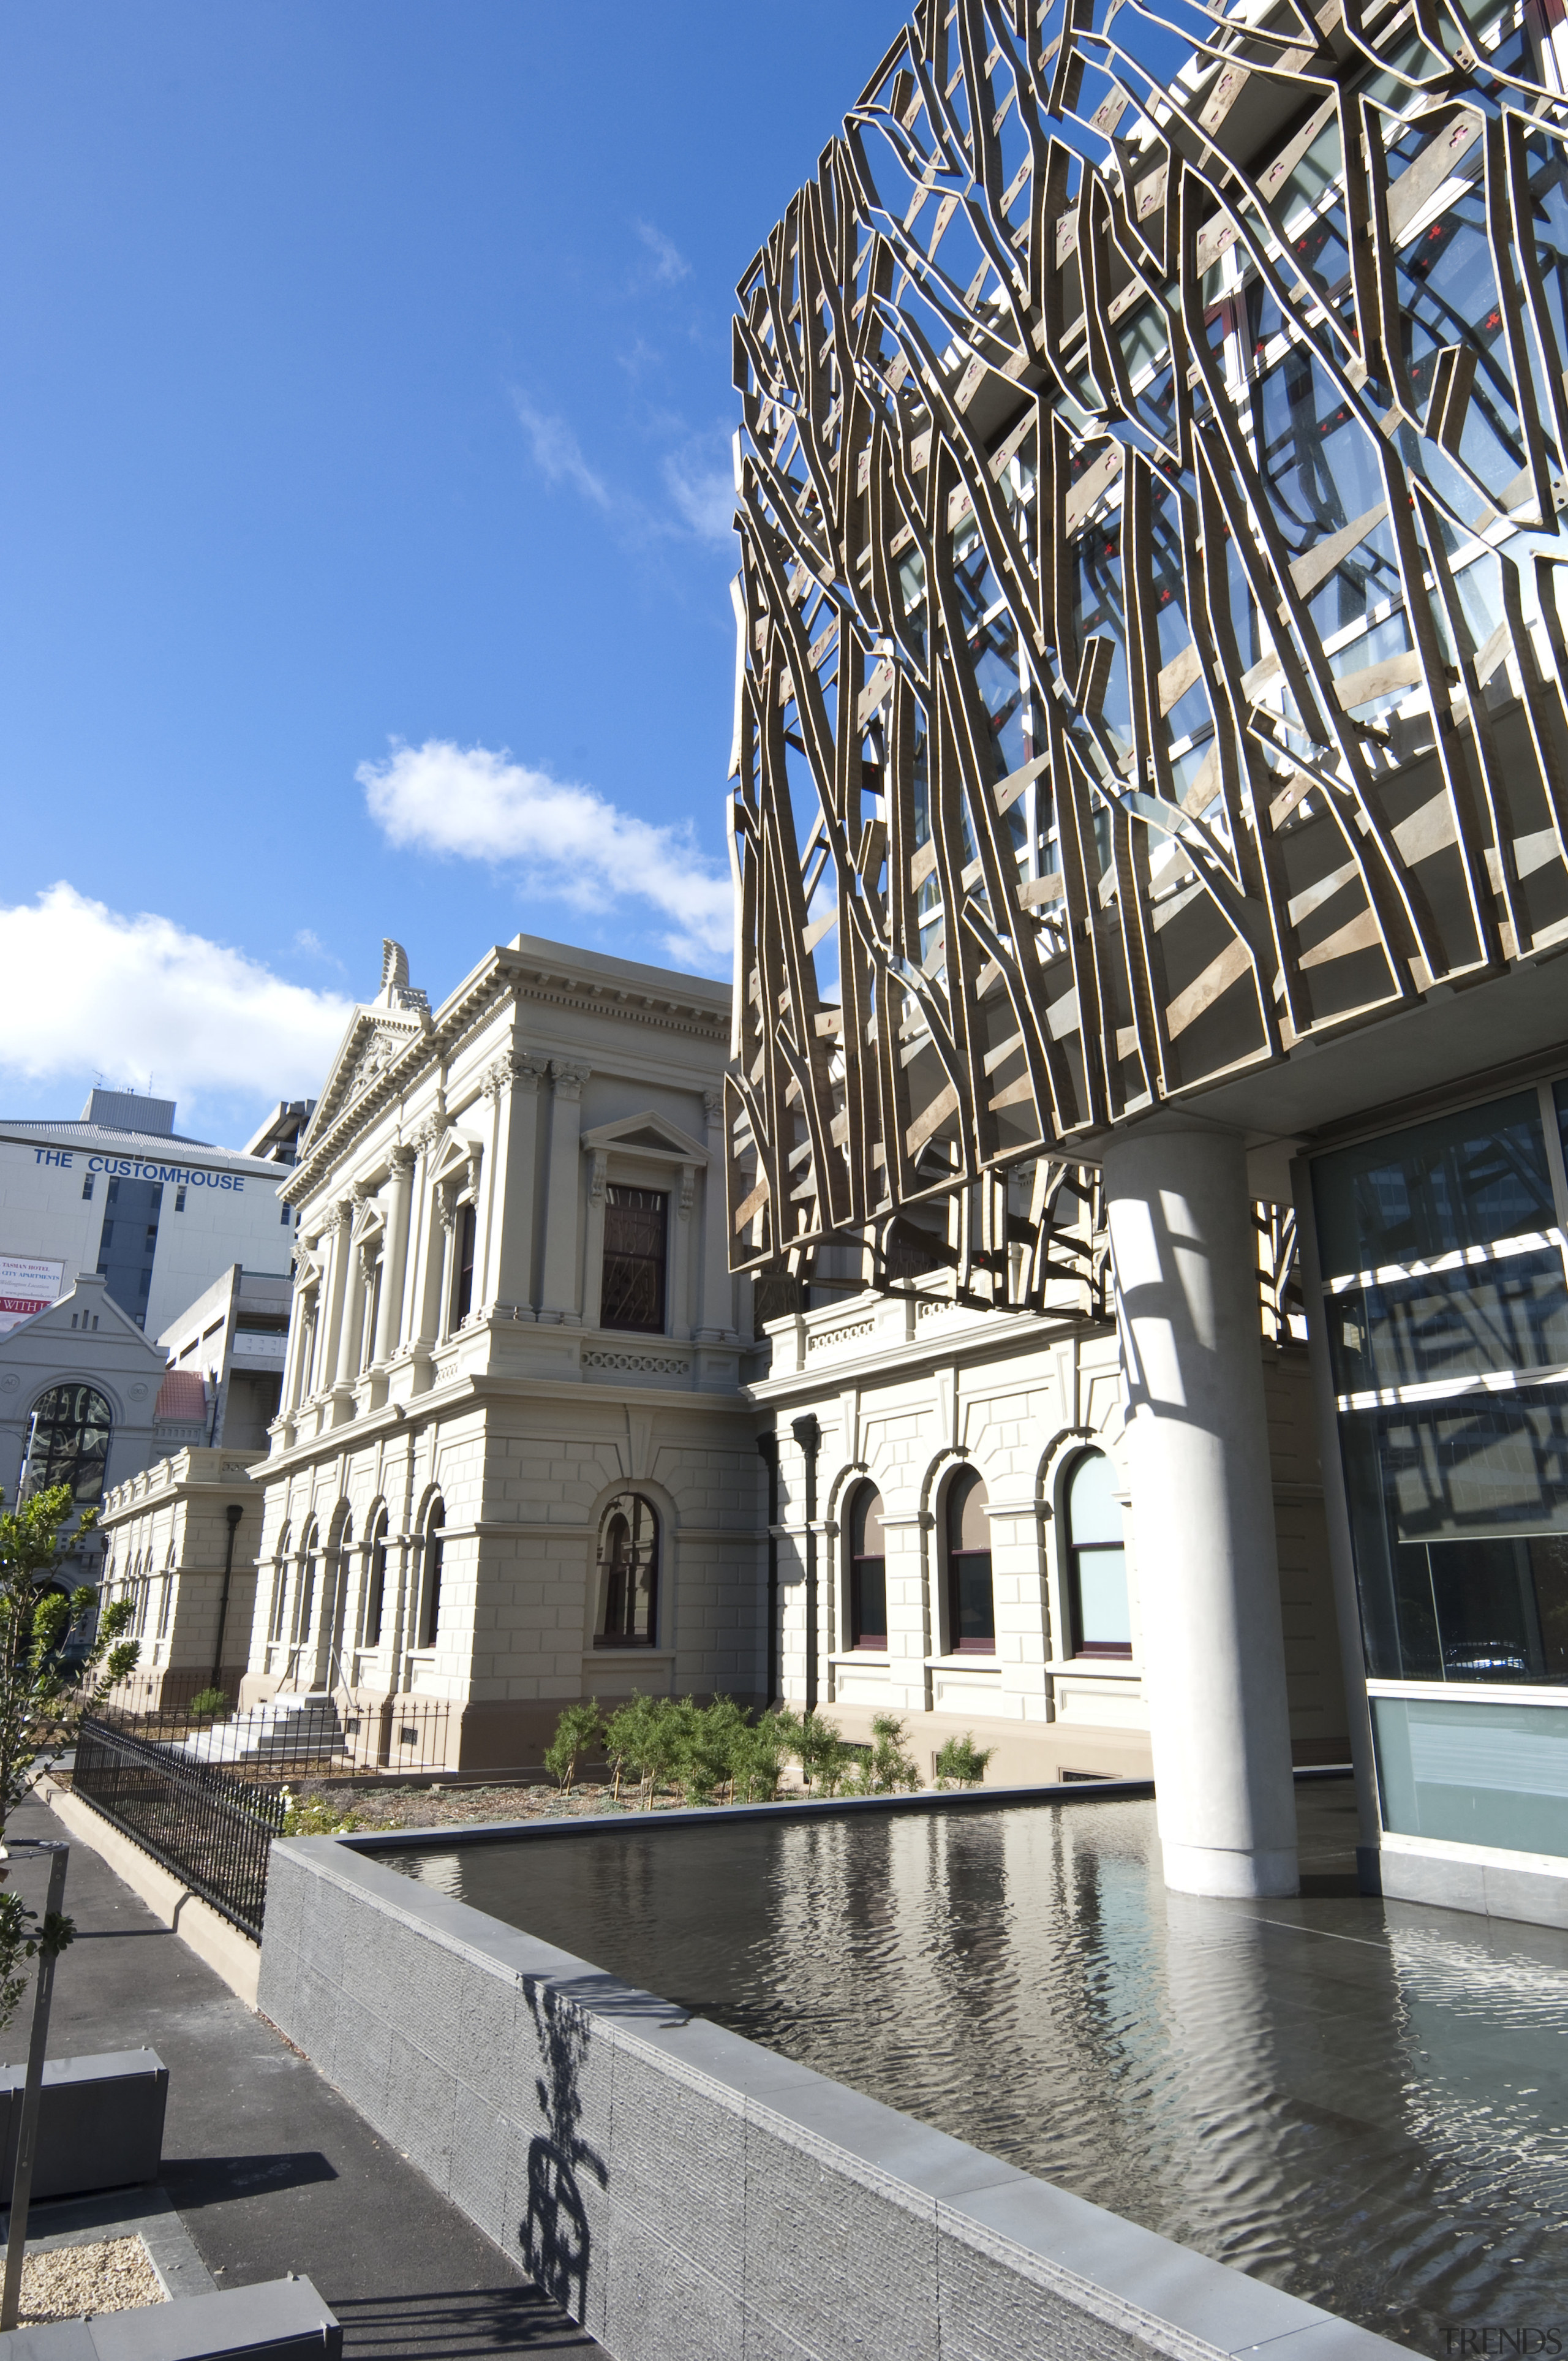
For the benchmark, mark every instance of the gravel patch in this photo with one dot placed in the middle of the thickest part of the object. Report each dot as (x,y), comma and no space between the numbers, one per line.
(111,2275)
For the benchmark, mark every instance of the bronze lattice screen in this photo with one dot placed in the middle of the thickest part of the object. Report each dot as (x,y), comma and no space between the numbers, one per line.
(1151,624)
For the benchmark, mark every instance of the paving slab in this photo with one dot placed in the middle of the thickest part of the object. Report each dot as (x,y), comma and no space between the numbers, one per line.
(270,2169)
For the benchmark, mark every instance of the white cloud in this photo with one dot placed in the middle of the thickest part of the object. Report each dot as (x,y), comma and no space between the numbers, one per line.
(670,264)
(703,493)
(557,453)
(88,989)
(466,800)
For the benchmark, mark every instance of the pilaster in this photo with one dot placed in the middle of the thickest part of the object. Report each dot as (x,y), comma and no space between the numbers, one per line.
(564,1190)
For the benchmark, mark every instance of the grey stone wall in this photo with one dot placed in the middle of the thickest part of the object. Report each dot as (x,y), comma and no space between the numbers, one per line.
(689,2196)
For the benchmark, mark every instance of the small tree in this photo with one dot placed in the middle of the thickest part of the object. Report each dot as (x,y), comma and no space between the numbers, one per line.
(889,1766)
(823,1756)
(40,1706)
(579,1729)
(647,1736)
(762,1749)
(712,1739)
(208,1704)
(961,1763)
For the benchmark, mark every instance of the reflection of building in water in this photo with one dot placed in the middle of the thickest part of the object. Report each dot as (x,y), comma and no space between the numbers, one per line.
(1150,739)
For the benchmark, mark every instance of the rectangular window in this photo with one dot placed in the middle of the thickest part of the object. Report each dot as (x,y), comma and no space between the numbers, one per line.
(179,1198)
(463,1259)
(635,1227)
(284,1218)
(87,1186)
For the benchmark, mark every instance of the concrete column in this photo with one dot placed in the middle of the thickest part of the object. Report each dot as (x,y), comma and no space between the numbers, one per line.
(351,1298)
(335,1282)
(394,1256)
(1186,1266)
(716,1315)
(564,1190)
(508,1242)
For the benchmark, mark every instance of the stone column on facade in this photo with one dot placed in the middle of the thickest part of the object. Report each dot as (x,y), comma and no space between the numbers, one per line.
(336,1283)
(394,1256)
(302,1336)
(425,1323)
(508,1266)
(351,1297)
(911,1636)
(715,1313)
(1185,1259)
(564,1189)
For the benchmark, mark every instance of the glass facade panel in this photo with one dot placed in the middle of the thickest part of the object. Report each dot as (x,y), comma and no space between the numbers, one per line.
(1464,1181)
(1480,1775)
(1459,1518)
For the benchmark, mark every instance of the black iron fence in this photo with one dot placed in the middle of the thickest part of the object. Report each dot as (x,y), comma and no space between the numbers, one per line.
(214,1831)
(327,1734)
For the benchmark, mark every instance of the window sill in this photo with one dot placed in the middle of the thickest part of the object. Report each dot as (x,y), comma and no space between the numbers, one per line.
(603,1647)
(965,1663)
(1097,1668)
(862,1657)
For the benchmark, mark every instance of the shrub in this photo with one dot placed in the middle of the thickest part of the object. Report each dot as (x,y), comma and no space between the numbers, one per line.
(710,1742)
(961,1763)
(823,1756)
(579,1729)
(313,1816)
(208,1702)
(889,1766)
(647,1737)
(762,1749)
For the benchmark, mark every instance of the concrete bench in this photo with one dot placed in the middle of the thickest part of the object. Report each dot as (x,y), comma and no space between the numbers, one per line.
(99,2123)
(282,2320)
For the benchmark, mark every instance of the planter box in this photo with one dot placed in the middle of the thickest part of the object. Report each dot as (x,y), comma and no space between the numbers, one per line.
(99,2123)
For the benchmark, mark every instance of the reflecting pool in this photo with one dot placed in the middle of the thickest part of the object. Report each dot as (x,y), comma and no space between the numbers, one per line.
(1364,2103)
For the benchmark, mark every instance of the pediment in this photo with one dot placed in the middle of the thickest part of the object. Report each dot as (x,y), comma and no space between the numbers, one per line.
(89,1296)
(646,1135)
(376,1036)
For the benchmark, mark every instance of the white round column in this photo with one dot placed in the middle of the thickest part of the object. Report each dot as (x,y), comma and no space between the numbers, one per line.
(1184,1256)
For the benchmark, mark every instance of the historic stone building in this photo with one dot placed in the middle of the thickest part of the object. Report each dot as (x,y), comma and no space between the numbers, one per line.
(513,1464)
(181,1538)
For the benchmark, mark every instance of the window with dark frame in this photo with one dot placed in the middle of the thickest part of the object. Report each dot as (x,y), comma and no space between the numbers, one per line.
(70,1442)
(463,1280)
(375,1582)
(305,1598)
(971,1610)
(629,1563)
(636,1224)
(868,1570)
(280,1588)
(1096,1560)
(429,1594)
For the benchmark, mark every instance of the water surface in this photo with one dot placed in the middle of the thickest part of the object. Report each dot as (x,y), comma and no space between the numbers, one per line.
(1364,2103)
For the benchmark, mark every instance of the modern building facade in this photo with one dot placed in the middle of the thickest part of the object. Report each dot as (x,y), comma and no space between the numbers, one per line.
(157,1216)
(235,1338)
(1150,747)
(513,1465)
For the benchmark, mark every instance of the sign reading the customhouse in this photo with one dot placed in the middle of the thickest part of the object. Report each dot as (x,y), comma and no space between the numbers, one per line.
(27,1285)
(138,1167)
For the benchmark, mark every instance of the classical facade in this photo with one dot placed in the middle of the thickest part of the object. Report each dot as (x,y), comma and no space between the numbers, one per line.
(181,1539)
(513,1465)
(1151,760)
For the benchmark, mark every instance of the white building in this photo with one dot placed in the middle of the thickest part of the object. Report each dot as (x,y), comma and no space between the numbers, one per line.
(514,1465)
(234,1338)
(120,1193)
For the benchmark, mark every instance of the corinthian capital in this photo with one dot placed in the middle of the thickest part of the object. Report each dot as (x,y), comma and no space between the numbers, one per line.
(567,1081)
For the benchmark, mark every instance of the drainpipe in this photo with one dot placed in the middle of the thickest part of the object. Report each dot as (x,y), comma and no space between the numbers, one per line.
(808,1434)
(235,1514)
(767,1451)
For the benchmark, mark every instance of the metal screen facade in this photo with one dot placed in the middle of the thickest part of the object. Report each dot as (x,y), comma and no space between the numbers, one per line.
(1152,650)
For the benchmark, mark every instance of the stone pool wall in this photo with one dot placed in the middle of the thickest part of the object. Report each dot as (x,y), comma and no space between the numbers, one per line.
(690,2196)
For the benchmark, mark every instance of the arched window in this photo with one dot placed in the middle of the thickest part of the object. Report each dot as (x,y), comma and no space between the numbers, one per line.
(304,1597)
(279,1585)
(1096,1559)
(629,1562)
(375,1582)
(430,1594)
(868,1570)
(69,1443)
(971,1613)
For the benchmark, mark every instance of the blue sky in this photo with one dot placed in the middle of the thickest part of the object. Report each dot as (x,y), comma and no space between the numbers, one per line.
(364,410)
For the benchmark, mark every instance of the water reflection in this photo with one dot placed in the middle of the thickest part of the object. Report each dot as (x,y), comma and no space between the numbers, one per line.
(1362,2103)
